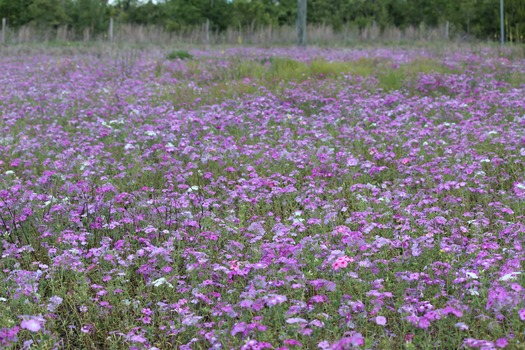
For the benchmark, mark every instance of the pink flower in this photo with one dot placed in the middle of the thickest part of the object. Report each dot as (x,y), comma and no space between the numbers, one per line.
(234,265)
(342,262)
(31,325)
(381,320)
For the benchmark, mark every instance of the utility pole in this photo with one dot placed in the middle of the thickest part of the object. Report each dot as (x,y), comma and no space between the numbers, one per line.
(208,23)
(301,23)
(502,22)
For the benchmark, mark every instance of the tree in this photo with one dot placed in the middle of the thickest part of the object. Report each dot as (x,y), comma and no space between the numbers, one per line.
(48,13)
(90,14)
(246,13)
(15,11)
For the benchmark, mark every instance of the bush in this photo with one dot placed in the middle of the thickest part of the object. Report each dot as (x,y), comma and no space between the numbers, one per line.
(179,55)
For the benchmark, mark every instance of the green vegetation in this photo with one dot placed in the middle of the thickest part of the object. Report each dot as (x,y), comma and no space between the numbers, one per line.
(243,77)
(474,18)
(179,55)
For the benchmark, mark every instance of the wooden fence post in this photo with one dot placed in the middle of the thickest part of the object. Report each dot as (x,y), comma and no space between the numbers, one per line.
(3,29)
(110,34)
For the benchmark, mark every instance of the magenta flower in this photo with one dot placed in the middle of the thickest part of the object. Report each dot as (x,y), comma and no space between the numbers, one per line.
(424,323)
(319,299)
(342,262)
(276,299)
(137,339)
(450,310)
(238,328)
(522,314)
(8,336)
(502,343)
(88,328)
(293,342)
(355,340)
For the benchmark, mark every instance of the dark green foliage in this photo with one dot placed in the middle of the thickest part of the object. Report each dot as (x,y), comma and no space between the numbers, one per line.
(179,55)
(475,18)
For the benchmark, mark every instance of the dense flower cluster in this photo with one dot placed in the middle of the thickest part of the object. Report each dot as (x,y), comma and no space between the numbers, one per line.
(152,204)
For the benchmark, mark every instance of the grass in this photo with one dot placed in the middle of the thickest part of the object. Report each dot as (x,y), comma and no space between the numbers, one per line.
(275,74)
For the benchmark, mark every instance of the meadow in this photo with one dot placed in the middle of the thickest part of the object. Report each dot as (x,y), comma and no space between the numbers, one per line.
(253,198)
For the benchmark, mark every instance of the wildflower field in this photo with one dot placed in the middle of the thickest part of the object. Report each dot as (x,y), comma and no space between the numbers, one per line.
(263,199)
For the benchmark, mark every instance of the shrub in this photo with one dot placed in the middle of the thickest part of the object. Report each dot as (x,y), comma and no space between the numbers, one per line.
(179,55)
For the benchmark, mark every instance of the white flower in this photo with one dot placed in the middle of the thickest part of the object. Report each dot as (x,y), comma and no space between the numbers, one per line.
(193,188)
(52,200)
(480,173)
(150,133)
(510,276)
(462,326)
(161,281)
(296,320)
(472,275)
(106,125)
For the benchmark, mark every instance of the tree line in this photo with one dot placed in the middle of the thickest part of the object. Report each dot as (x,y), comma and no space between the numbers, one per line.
(475,18)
